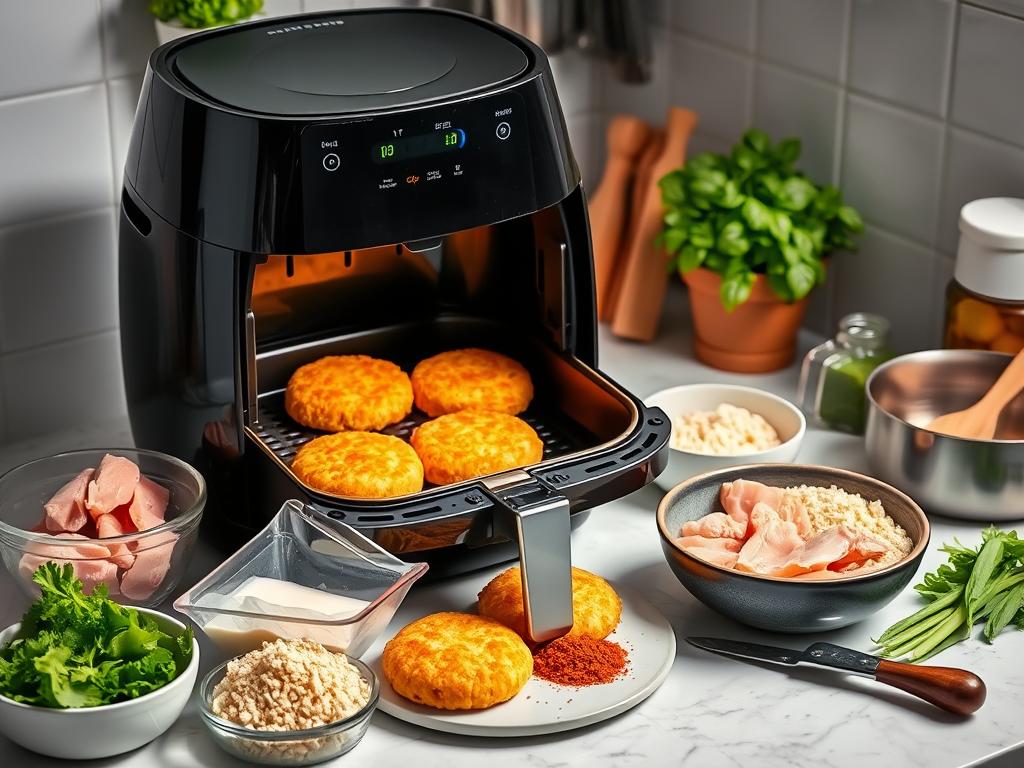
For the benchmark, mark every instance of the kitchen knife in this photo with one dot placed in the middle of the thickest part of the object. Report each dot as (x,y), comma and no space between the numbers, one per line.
(955,690)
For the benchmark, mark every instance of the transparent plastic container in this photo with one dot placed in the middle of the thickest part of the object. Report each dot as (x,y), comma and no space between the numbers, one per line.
(833,376)
(303,576)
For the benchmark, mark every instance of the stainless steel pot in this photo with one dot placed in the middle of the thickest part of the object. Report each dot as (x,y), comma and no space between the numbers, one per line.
(977,479)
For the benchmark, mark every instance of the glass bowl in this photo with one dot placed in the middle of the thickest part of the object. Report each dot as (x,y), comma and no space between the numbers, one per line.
(159,555)
(305,747)
(305,575)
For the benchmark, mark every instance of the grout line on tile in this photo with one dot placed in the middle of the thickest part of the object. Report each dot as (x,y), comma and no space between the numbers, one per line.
(847,44)
(63,91)
(63,342)
(58,219)
(996,11)
(103,40)
(947,128)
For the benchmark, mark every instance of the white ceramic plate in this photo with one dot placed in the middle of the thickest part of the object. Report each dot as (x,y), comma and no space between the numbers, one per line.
(543,707)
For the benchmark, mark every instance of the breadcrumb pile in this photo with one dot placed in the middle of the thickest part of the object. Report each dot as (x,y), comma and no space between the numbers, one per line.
(726,431)
(828,507)
(289,685)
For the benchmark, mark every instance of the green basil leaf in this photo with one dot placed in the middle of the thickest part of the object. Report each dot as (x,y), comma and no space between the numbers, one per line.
(827,203)
(788,151)
(736,289)
(795,193)
(702,235)
(778,284)
(732,240)
(672,189)
(690,257)
(705,161)
(731,196)
(800,278)
(804,244)
(851,218)
(757,141)
(757,215)
(673,239)
(781,226)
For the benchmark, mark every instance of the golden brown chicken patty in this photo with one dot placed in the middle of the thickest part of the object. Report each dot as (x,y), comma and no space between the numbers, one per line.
(363,464)
(471,378)
(342,392)
(596,608)
(457,661)
(458,446)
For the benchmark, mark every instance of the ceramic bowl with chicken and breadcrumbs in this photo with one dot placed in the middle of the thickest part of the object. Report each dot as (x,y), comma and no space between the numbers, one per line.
(126,518)
(785,570)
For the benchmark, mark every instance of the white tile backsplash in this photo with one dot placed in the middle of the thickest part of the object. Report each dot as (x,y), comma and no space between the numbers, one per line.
(976,167)
(878,277)
(987,92)
(791,104)
(59,280)
(725,21)
(47,45)
(54,154)
(129,36)
(649,100)
(51,388)
(807,34)
(576,82)
(891,167)
(713,82)
(897,51)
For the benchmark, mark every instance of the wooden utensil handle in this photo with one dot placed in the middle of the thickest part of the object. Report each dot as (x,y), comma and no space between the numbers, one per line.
(954,690)
(1008,385)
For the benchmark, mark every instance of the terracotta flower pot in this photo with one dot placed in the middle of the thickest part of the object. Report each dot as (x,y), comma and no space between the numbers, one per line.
(757,336)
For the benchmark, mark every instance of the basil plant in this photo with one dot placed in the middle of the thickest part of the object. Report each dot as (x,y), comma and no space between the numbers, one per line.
(751,212)
(198,14)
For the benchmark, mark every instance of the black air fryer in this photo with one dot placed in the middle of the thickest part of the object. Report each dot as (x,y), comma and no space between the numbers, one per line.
(387,182)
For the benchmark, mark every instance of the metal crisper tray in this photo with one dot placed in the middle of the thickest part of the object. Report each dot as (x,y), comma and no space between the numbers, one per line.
(284,436)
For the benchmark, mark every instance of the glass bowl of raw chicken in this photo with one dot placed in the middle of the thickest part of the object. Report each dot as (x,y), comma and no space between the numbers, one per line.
(124,518)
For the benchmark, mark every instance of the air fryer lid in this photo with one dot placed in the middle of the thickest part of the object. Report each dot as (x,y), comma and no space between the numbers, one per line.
(351,63)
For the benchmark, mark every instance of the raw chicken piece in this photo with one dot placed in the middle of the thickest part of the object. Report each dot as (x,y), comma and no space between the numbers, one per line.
(862,548)
(698,542)
(151,565)
(92,570)
(739,497)
(113,485)
(120,555)
(66,510)
(149,504)
(771,546)
(715,556)
(716,525)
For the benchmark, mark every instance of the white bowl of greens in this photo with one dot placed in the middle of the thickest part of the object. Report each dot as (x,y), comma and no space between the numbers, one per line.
(82,677)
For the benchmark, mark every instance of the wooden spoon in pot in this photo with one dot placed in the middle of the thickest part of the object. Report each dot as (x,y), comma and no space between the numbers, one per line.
(979,421)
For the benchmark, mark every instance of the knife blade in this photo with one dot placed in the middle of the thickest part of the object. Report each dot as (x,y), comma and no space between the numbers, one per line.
(955,690)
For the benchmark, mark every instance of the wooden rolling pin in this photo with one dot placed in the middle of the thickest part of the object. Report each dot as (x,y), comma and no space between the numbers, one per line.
(627,136)
(644,275)
(641,183)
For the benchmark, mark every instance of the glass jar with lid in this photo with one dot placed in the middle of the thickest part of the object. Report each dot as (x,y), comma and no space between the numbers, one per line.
(833,375)
(985,298)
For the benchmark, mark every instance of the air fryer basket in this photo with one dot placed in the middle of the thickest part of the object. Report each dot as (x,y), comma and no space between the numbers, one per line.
(600,443)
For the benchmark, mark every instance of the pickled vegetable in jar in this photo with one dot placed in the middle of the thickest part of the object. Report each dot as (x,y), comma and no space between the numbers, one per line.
(834,374)
(985,298)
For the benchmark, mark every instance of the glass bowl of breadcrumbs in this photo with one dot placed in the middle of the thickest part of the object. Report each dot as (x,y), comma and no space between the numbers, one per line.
(279,705)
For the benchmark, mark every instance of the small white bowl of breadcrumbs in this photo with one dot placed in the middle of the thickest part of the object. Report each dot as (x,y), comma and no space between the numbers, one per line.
(715,426)
(290,702)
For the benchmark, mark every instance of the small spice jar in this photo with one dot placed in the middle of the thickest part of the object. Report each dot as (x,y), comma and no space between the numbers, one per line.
(985,298)
(833,375)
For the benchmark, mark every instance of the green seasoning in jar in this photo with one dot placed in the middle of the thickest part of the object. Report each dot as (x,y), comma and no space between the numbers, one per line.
(833,376)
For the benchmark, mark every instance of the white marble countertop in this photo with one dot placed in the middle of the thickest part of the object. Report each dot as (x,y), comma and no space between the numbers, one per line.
(711,711)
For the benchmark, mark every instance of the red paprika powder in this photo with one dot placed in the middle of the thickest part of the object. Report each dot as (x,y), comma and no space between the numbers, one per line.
(578,660)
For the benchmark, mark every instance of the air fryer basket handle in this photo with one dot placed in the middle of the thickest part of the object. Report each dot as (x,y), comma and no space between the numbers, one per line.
(541,520)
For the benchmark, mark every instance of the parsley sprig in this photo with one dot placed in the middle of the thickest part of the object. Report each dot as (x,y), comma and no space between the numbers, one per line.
(78,650)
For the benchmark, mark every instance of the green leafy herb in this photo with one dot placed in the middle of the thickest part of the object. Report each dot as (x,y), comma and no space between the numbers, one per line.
(197,14)
(749,213)
(78,650)
(984,584)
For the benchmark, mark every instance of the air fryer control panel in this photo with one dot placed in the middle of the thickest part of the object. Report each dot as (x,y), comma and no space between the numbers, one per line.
(434,170)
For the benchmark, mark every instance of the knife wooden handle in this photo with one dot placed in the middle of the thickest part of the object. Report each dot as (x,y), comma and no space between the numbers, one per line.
(954,690)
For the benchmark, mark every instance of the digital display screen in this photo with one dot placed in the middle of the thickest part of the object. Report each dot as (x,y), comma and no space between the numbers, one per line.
(423,145)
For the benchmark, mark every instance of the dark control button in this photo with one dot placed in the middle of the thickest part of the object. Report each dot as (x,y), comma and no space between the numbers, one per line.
(331,162)
(503,131)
